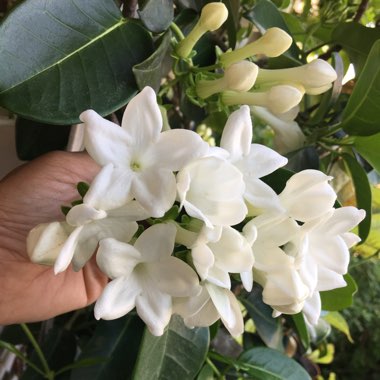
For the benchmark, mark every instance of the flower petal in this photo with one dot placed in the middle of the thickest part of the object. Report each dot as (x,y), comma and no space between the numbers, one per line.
(308,195)
(203,259)
(235,325)
(119,228)
(261,196)
(157,242)
(247,280)
(117,259)
(67,252)
(204,317)
(177,147)
(155,309)
(261,161)
(174,277)
(83,214)
(142,120)
(312,308)
(110,188)
(118,298)
(45,241)
(155,189)
(237,134)
(104,141)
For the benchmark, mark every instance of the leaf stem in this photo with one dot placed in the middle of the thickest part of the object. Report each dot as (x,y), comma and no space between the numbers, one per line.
(48,373)
(20,355)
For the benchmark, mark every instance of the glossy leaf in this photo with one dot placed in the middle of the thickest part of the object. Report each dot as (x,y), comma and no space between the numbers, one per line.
(150,71)
(62,57)
(361,116)
(34,138)
(368,147)
(337,320)
(157,15)
(300,325)
(357,40)
(268,364)
(277,180)
(372,244)
(363,193)
(265,15)
(178,354)
(114,345)
(338,299)
(268,328)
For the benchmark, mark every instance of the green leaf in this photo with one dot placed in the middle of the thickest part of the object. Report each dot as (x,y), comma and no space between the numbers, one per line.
(157,15)
(363,193)
(82,188)
(150,71)
(115,341)
(372,244)
(59,58)
(361,116)
(265,15)
(206,373)
(178,354)
(268,328)
(34,139)
(337,320)
(267,364)
(368,147)
(357,40)
(300,325)
(277,180)
(341,298)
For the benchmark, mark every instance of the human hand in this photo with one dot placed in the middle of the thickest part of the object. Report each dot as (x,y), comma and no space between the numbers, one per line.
(30,195)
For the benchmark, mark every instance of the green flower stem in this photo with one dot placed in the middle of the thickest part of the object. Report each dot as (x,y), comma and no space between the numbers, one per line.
(186,45)
(206,88)
(177,31)
(48,373)
(213,367)
(231,98)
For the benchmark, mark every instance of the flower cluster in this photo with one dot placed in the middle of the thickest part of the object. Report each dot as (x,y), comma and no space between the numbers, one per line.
(294,244)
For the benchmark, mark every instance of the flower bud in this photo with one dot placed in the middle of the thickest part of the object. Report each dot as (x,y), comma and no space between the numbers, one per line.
(316,74)
(239,77)
(278,99)
(273,43)
(212,17)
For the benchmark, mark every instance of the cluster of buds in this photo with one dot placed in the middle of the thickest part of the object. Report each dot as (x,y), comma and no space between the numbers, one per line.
(271,93)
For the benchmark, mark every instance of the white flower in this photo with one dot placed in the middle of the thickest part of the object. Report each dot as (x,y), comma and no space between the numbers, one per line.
(324,253)
(96,219)
(211,189)
(275,270)
(220,251)
(288,135)
(144,276)
(143,157)
(253,160)
(207,307)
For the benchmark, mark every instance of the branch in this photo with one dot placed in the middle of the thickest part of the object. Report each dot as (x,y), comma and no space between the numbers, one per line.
(361,9)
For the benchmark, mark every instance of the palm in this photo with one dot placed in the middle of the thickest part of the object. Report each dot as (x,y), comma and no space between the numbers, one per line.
(30,195)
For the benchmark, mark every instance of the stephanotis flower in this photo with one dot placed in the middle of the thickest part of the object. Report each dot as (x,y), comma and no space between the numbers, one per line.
(212,303)
(144,159)
(295,261)
(76,239)
(218,251)
(145,276)
(253,160)
(211,189)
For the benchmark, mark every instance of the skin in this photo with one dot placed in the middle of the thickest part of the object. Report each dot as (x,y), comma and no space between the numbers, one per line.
(30,195)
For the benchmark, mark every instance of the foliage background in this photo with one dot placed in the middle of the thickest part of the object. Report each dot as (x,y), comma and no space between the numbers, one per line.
(74,346)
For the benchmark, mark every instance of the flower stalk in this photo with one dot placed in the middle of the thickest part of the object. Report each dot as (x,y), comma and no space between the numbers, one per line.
(212,17)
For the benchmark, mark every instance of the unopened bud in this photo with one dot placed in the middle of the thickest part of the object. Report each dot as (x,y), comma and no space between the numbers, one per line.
(212,17)
(316,74)
(278,99)
(239,77)
(273,43)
